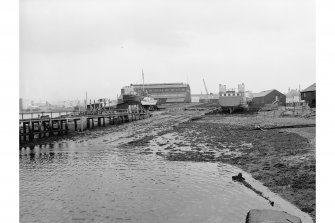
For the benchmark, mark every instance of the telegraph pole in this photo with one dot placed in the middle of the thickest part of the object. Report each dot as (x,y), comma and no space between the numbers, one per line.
(86,102)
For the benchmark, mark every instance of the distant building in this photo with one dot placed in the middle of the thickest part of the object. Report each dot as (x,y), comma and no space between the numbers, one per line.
(195,97)
(24,104)
(212,98)
(203,98)
(269,97)
(248,96)
(166,92)
(293,96)
(309,95)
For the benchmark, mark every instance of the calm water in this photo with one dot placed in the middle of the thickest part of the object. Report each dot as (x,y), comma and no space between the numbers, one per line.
(93,182)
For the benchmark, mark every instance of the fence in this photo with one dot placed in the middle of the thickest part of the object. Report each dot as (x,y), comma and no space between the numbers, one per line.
(282,111)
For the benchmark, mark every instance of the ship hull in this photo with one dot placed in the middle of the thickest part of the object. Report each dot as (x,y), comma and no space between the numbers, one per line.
(127,100)
(232,103)
(131,98)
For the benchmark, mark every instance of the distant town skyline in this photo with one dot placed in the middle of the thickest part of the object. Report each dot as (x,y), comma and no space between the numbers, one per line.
(70,47)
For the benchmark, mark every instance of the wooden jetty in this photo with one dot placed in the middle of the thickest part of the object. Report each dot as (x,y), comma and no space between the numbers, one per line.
(45,125)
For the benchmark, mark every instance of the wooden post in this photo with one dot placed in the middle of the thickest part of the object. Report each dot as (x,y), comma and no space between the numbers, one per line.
(51,126)
(31,134)
(88,123)
(66,126)
(24,130)
(59,126)
(44,128)
(82,123)
(39,129)
(75,124)
(93,106)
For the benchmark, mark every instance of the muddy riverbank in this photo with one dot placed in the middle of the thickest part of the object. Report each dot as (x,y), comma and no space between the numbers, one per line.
(283,159)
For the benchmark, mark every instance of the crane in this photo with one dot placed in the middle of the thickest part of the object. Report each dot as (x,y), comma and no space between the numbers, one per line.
(205,88)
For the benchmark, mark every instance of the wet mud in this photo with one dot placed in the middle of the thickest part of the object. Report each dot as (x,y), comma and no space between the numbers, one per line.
(282,159)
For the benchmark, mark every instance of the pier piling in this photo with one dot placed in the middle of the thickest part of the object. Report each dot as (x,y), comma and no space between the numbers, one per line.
(42,126)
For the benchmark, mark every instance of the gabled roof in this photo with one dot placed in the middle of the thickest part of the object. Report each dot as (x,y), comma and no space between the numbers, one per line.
(262,93)
(310,88)
(160,85)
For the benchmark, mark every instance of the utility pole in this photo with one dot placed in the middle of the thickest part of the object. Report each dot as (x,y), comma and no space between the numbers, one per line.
(86,102)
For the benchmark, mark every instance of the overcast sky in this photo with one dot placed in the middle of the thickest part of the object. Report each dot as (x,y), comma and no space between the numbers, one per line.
(68,47)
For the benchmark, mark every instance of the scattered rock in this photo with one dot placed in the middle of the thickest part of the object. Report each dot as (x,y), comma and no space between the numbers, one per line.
(238,177)
(279,165)
(159,153)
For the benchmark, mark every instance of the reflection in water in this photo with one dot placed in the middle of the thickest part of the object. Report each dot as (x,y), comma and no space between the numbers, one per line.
(78,183)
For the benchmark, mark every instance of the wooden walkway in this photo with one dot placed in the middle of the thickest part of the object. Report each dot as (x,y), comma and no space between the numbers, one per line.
(45,126)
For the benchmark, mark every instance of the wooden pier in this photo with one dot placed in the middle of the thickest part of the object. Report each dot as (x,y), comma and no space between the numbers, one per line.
(45,126)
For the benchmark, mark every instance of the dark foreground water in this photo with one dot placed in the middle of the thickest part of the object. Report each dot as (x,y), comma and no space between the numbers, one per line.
(87,182)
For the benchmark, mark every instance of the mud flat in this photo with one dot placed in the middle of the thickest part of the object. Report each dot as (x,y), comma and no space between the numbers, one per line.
(138,132)
(282,159)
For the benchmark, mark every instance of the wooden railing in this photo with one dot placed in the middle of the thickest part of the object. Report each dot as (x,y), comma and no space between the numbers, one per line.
(62,114)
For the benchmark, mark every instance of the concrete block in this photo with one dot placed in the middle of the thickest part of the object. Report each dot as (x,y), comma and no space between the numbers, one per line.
(270,216)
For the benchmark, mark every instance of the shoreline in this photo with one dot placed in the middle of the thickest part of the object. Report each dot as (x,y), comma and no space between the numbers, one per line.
(282,159)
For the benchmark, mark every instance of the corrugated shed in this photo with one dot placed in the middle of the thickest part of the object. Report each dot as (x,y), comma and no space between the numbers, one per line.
(310,88)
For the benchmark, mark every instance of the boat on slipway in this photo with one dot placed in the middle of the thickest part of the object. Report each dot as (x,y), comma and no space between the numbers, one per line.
(128,97)
(140,99)
(231,99)
(149,102)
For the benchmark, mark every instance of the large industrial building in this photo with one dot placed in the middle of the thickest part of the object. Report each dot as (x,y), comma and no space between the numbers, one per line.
(166,92)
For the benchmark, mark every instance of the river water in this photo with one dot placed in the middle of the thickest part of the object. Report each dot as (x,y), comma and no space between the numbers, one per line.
(98,181)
